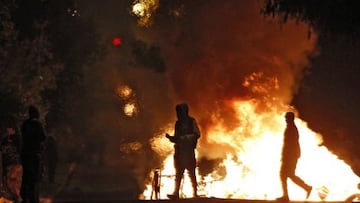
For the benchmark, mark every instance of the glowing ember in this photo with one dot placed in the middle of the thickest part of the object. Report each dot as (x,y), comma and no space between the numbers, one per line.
(124,91)
(144,10)
(250,165)
(130,147)
(5,200)
(130,109)
(258,84)
(46,200)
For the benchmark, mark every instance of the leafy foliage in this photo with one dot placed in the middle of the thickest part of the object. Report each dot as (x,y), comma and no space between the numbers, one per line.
(44,51)
(26,65)
(77,44)
(330,17)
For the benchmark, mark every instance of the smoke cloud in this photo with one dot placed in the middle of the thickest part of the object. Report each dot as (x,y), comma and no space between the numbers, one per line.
(204,52)
(217,51)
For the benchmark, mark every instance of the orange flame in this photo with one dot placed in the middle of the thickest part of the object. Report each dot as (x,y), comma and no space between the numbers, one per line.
(250,168)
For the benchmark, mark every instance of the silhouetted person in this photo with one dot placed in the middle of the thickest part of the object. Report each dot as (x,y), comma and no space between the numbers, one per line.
(156,185)
(10,151)
(51,157)
(290,155)
(185,138)
(33,136)
(12,169)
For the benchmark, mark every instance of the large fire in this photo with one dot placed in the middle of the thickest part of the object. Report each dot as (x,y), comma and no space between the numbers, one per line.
(253,68)
(250,167)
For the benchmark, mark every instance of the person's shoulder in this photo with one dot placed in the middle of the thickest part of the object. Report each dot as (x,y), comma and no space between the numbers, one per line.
(32,122)
(35,120)
(25,122)
(192,118)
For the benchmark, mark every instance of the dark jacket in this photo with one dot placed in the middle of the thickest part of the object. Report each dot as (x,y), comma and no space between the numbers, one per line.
(186,132)
(10,151)
(291,148)
(33,136)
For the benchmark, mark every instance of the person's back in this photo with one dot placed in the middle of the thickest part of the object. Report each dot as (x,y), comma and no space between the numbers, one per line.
(291,148)
(185,133)
(33,136)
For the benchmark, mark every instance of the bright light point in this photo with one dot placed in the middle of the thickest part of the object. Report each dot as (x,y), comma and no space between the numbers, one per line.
(144,9)
(130,109)
(138,9)
(117,41)
(124,91)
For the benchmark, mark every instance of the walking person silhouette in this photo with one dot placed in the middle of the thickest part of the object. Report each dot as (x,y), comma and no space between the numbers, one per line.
(290,155)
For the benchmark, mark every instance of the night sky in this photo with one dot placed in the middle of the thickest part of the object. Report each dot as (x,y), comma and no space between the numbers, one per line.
(200,51)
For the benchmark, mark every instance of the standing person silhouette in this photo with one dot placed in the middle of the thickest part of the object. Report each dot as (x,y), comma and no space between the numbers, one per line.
(33,136)
(12,168)
(290,155)
(185,138)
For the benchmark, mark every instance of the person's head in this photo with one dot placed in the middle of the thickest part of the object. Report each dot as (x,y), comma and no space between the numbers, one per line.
(9,124)
(10,131)
(182,111)
(33,112)
(289,117)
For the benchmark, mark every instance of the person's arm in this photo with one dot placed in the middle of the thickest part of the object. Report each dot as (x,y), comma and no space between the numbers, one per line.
(171,138)
(174,138)
(42,134)
(196,129)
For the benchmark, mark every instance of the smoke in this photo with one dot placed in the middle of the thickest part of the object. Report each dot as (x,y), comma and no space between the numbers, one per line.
(219,51)
(206,53)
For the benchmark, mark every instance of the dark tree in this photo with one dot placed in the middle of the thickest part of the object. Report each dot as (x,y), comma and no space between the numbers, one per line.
(45,49)
(330,17)
(77,44)
(27,66)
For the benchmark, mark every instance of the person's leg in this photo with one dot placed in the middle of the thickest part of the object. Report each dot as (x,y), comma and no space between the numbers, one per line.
(24,191)
(192,175)
(32,197)
(17,185)
(178,177)
(34,179)
(4,176)
(300,182)
(297,180)
(283,179)
(179,172)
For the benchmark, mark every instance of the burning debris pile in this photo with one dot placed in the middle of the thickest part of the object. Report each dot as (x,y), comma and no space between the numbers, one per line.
(250,161)
(239,71)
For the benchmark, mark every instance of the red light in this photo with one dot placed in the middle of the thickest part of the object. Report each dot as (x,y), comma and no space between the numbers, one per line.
(117,41)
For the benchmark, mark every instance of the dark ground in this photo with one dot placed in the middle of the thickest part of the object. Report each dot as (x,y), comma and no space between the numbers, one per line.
(199,200)
(90,183)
